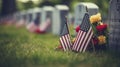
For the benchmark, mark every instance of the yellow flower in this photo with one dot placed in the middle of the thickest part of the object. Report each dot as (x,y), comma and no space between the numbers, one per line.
(102,39)
(95,18)
(73,40)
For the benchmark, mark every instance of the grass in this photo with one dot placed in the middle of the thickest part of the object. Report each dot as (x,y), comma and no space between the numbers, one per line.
(20,48)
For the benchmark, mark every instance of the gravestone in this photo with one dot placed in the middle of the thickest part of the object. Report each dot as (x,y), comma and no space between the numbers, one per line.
(24,15)
(21,18)
(114,25)
(17,16)
(59,15)
(70,18)
(47,13)
(37,15)
(29,16)
(83,7)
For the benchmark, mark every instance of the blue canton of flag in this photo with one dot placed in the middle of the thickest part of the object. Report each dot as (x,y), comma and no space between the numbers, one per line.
(84,35)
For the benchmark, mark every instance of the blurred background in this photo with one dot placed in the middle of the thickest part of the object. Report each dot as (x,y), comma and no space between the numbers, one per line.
(11,6)
(20,48)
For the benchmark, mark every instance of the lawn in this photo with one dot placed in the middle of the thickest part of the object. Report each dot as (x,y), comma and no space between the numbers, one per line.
(20,48)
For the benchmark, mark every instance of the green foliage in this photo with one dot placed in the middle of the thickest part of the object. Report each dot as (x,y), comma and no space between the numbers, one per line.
(19,48)
(20,6)
(28,5)
(25,6)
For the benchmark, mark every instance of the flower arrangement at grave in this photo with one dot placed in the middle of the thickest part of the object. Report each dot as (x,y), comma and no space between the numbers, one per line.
(100,29)
(100,33)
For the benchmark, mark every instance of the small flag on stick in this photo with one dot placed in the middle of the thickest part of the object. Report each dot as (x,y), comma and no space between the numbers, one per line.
(65,38)
(84,35)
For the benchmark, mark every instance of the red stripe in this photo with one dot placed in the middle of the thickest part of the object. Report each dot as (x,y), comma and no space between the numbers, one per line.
(77,40)
(88,40)
(62,43)
(65,42)
(81,40)
(68,38)
(85,40)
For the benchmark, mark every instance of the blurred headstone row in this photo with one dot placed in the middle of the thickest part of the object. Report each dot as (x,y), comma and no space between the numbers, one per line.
(48,18)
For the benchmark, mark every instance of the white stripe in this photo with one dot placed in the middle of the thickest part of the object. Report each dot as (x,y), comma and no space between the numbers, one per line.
(88,40)
(78,38)
(69,45)
(87,43)
(65,42)
(79,44)
(62,44)
(86,37)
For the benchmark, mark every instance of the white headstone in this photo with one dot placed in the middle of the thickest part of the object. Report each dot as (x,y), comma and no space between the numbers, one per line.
(24,15)
(29,16)
(114,25)
(17,16)
(83,7)
(21,18)
(59,15)
(37,15)
(47,13)
(70,18)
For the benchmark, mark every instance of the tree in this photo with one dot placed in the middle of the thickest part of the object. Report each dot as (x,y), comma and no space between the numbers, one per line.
(8,7)
(28,5)
(46,3)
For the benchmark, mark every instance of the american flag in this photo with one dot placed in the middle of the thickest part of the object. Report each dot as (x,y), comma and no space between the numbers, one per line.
(65,38)
(83,36)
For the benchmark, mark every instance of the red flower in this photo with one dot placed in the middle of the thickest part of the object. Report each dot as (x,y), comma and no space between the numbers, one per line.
(38,31)
(101,27)
(77,28)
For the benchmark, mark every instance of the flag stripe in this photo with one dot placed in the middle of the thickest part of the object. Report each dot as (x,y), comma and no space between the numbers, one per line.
(88,41)
(65,44)
(79,37)
(62,43)
(68,40)
(74,45)
(75,42)
(85,40)
(84,35)
(65,41)
(65,38)
(81,40)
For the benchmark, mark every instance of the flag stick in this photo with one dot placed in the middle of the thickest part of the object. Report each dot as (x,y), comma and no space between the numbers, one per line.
(68,28)
(67,23)
(91,39)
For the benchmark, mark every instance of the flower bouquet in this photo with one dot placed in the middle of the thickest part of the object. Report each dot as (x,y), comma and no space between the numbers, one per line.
(100,38)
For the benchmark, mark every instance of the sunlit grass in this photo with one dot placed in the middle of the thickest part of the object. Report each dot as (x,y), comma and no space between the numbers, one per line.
(20,48)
